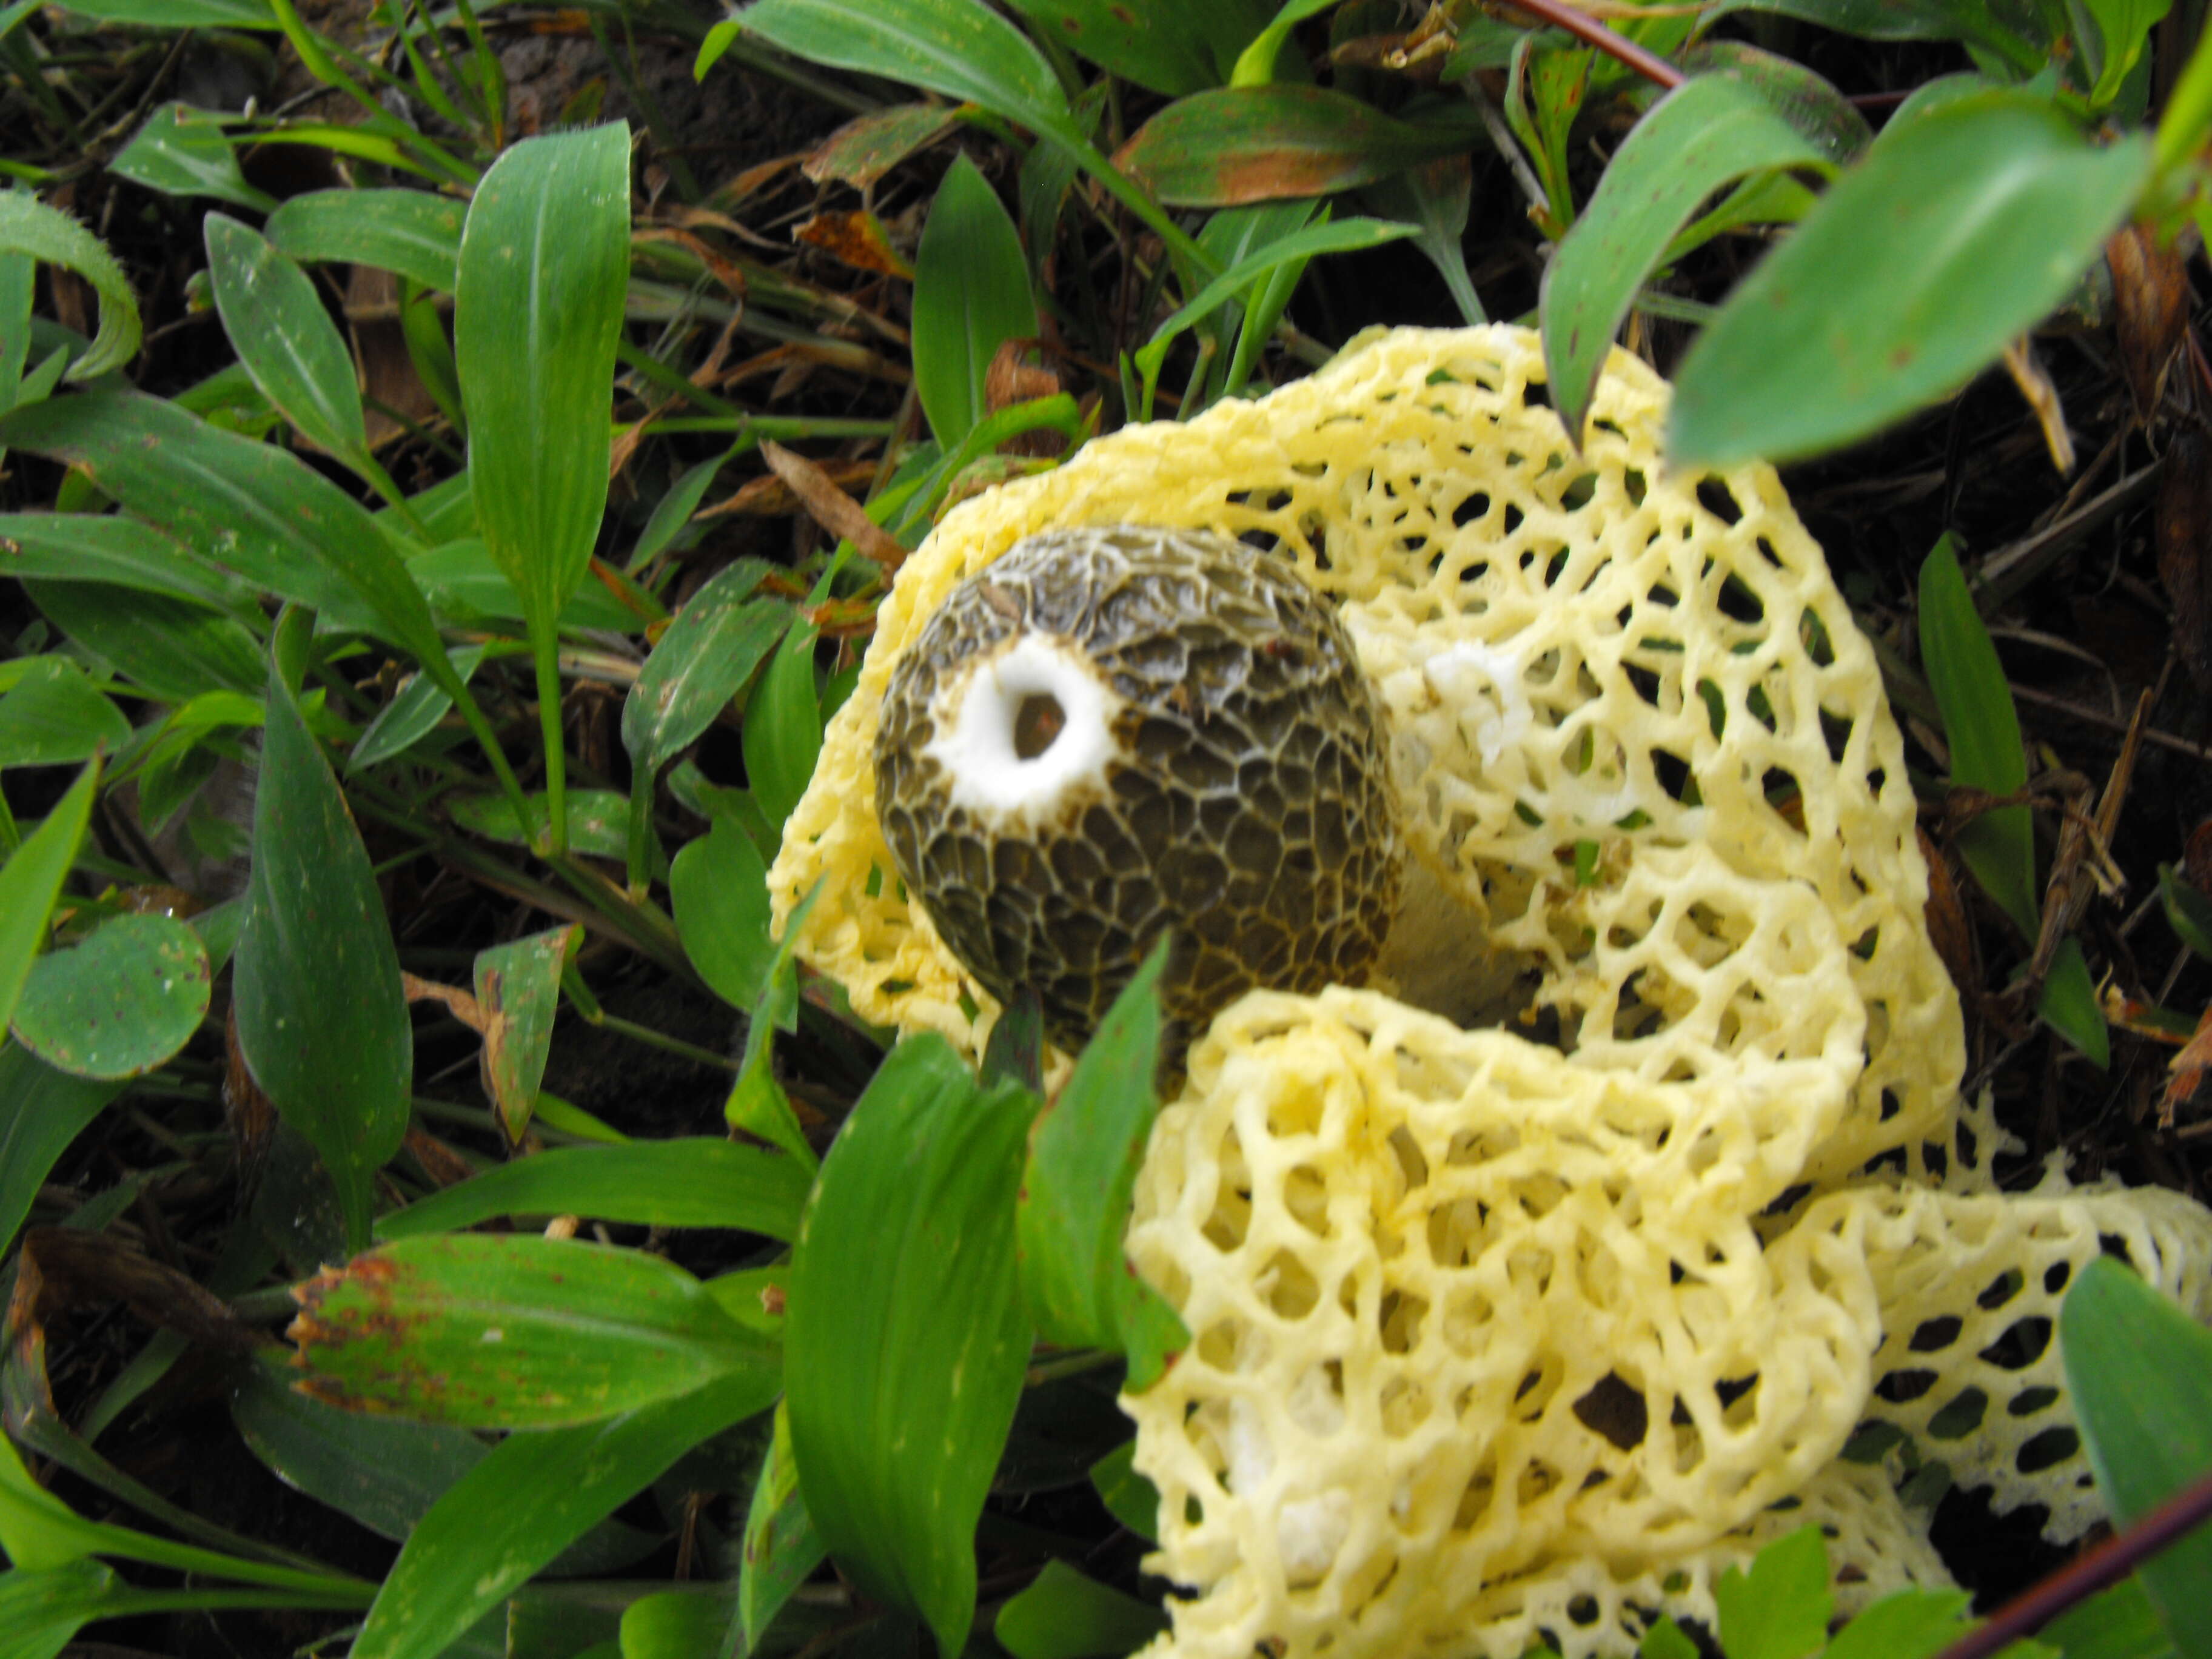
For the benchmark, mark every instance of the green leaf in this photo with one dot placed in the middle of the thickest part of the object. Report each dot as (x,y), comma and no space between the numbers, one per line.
(1166,45)
(322,1020)
(2188,116)
(1912,1625)
(178,14)
(1950,239)
(704,660)
(971,294)
(41,1111)
(1255,64)
(1976,22)
(1063,1615)
(79,547)
(174,650)
(599,820)
(1667,1640)
(675,1624)
(1779,1609)
(286,340)
(32,880)
(517,988)
(2121,1623)
(490,1332)
(1711,130)
(520,1507)
(41,1611)
(1129,1497)
(1982,728)
(966,52)
(2188,912)
(694,1182)
(718,889)
(413,714)
(2068,1004)
(758,1105)
(53,717)
(781,1547)
(1239,144)
(783,727)
(466,587)
(537,306)
(2140,1371)
(119,1005)
(2118,30)
(905,1340)
(249,506)
(1085,1152)
(411,232)
(29,226)
(182,151)
(1434,198)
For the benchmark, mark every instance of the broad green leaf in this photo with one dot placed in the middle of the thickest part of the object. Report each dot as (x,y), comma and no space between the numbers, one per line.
(966,52)
(694,1182)
(1915,1624)
(1259,143)
(42,1610)
(1129,1497)
(322,1021)
(599,820)
(411,715)
(1981,729)
(41,1111)
(80,547)
(1920,264)
(414,233)
(1711,130)
(1976,22)
(32,880)
(182,151)
(174,650)
(2121,1623)
(518,989)
(971,294)
(2188,116)
(783,727)
(1063,1615)
(2140,1371)
(905,1340)
(538,307)
(464,584)
(2068,1004)
(385,1473)
(1167,46)
(54,717)
(2118,30)
(758,1105)
(718,889)
(1667,1640)
(29,226)
(249,507)
(119,1005)
(703,660)
(523,1504)
(1084,1150)
(2188,912)
(1779,1609)
(280,332)
(675,1624)
(491,1332)
(781,1547)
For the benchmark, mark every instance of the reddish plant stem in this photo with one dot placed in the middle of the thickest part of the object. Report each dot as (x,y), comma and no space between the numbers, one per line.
(2109,1562)
(1590,32)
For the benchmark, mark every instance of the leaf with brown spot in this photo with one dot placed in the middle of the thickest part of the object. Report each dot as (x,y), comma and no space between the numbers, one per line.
(511,1332)
(831,508)
(1238,144)
(518,990)
(2183,528)
(864,150)
(854,237)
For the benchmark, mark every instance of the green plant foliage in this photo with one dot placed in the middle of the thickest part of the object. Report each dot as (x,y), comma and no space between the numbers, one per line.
(2140,1371)
(703,660)
(117,1005)
(1949,238)
(54,716)
(780,1547)
(321,1017)
(485,1332)
(1163,45)
(783,727)
(29,226)
(32,879)
(2120,1623)
(182,151)
(170,649)
(718,886)
(1084,1150)
(1983,730)
(286,340)
(120,552)
(689,1181)
(2068,1004)
(411,232)
(41,1111)
(518,989)
(906,1338)
(1065,1615)
(2188,912)
(1238,144)
(971,294)
(1779,1609)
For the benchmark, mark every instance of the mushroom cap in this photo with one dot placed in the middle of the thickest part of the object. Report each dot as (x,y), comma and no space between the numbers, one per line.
(1212,766)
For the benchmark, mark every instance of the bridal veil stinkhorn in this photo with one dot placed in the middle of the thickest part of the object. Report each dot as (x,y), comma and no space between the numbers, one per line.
(1537,1283)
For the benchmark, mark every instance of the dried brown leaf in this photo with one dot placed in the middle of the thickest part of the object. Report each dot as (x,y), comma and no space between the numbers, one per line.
(2150,303)
(854,237)
(831,508)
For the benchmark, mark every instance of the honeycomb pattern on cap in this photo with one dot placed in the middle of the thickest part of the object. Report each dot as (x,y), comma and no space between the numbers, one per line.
(1244,798)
